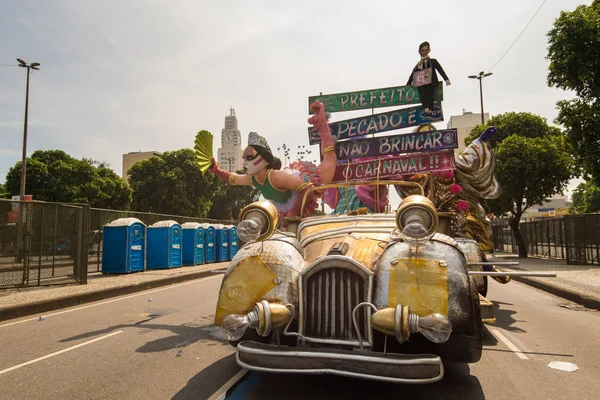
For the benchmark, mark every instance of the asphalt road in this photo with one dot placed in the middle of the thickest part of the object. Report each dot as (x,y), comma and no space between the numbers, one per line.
(134,348)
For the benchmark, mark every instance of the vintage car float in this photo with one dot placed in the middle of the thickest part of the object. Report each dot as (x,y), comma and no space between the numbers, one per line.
(383,296)
(387,296)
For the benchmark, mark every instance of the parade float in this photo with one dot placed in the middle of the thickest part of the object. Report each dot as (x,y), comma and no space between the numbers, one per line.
(369,292)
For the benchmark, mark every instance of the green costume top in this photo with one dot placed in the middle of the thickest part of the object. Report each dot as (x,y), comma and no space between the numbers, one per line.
(270,192)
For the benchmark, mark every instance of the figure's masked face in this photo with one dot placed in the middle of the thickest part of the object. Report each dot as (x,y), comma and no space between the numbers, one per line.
(253,162)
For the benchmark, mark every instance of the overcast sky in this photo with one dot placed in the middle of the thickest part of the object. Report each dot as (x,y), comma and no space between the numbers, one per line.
(128,75)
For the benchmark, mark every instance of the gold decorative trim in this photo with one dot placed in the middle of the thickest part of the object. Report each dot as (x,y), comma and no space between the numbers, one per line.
(268,210)
(303,186)
(404,326)
(268,176)
(414,185)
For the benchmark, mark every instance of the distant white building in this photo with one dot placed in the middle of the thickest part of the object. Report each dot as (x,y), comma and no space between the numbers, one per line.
(131,158)
(554,207)
(230,154)
(463,125)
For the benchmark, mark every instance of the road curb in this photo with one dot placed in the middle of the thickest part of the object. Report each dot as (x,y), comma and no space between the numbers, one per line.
(577,297)
(74,300)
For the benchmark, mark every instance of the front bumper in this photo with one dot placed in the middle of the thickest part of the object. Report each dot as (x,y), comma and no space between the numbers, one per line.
(398,368)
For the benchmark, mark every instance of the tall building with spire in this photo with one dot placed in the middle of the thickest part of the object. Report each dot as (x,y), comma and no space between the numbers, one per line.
(230,153)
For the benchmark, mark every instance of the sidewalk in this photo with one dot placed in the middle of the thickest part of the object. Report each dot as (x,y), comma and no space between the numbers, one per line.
(32,300)
(576,283)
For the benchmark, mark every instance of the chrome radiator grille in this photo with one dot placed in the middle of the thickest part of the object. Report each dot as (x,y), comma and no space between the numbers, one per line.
(330,296)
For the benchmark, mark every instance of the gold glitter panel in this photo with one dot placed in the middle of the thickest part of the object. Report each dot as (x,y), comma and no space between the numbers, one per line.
(420,284)
(243,287)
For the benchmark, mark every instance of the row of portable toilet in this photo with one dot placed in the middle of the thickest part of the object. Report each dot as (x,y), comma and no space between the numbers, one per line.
(127,242)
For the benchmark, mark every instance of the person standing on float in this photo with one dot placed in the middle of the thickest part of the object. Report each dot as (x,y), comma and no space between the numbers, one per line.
(426,91)
(284,189)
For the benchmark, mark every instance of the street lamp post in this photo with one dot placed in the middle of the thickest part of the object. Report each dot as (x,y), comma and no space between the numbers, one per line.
(29,67)
(480,76)
(22,231)
(229,189)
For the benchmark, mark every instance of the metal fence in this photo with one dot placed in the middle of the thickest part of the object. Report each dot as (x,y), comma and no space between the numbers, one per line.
(100,217)
(42,243)
(582,234)
(575,238)
(52,243)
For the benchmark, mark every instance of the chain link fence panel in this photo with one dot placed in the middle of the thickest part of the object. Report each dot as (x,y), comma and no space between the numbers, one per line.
(53,243)
(42,243)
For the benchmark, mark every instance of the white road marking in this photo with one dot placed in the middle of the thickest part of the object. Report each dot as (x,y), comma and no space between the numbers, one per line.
(511,346)
(111,301)
(58,352)
(222,392)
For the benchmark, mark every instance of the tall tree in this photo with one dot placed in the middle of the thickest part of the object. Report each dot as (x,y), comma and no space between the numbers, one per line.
(172,184)
(230,200)
(575,65)
(53,175)
(532,163)
(586,198)
(113,191)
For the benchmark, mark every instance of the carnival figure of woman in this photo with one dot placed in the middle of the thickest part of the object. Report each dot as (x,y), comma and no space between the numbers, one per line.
(285,189)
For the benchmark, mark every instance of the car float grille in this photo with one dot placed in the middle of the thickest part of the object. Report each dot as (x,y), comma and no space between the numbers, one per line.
(330,296)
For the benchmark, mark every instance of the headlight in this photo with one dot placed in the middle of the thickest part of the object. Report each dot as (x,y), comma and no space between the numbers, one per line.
(257,221)
(400,322)
(264,317)
(417,219)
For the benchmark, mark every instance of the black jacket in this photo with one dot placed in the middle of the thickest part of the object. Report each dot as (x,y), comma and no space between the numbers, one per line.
(429,63)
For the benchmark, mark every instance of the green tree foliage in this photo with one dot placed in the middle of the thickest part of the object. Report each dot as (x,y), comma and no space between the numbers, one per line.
(3,192)
(111,190)
(172,184)
(533,162)
(229,200)
(511,123)
(582,126)
(53,175)
(575,65)
(586,198)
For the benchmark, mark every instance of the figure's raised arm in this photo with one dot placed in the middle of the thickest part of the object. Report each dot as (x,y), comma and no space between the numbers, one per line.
(229,177)
(319,121)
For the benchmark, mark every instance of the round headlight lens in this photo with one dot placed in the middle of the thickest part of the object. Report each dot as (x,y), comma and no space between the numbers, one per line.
(257,221)
(249,229)
(417,219)
(416,222)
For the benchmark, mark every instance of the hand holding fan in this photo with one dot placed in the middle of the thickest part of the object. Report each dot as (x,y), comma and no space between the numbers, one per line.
(203,149)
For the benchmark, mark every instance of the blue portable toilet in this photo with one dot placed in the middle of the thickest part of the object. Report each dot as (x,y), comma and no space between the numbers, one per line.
(193,243)
(163,245)
(209,243)
(123,246)
(233,242)
(222,242)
